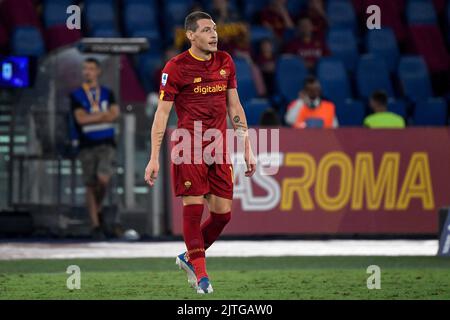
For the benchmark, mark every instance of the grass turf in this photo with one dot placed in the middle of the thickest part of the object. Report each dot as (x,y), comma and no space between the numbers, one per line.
(232,278)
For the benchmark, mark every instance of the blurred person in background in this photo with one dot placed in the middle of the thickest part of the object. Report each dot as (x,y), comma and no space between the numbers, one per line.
(276,17)
(223,13)
(306,45)
(315,11)
(266,61)
(382,118)
(310,110)
(95,111)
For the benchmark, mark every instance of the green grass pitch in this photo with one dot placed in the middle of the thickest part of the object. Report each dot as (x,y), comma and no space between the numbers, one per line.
(232,278)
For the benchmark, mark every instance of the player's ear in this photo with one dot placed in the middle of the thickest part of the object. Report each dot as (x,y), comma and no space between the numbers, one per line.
(190,35)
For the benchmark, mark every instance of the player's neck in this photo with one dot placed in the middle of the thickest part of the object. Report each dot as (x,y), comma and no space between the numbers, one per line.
(199,54)
(91,84)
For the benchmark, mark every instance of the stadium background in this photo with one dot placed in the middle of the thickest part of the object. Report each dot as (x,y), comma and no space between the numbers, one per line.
(407,58)
(361,183)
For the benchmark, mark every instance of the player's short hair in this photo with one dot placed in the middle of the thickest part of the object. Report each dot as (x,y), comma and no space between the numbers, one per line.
(190,23)
(92,60)
(380,97)
(309,80)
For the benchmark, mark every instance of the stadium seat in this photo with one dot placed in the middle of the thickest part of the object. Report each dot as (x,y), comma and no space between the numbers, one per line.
(414,78)
(54,12)
(175,11)
(296,6)
(247,89)
(420,12)
(140,16)
(372,74)
(15,13)
(430,112)
(153,37)
(392,15)
(382,42)
(27,41)
(334,80)
(290,75)
(100,15)
(252,8)
(350,113)
(342,44)
(58,36)
(254,108)
(153,3)
(427,41)
(258,33)
(341,14)
(398,107)
(147,66)
(208,5)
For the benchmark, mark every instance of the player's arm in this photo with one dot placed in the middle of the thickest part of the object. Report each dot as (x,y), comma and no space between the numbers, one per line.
(239,122)
(83,118)
(158,129)
(113,113)
(114,110)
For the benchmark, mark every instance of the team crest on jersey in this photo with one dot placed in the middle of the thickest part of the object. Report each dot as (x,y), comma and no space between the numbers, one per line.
(164,78)
(187,184)
(223,73)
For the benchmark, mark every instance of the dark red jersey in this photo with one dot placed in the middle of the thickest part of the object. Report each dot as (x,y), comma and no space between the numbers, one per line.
(198,88)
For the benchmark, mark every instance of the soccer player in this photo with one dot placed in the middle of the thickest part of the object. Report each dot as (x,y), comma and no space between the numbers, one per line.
(201,82)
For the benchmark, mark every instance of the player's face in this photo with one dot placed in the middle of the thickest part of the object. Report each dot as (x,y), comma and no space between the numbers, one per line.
(90,72)
(313,90)
(205,37)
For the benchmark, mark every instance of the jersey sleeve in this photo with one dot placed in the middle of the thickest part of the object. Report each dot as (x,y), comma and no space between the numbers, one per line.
(170,80)
(232,83)
(74,103)
(111,98)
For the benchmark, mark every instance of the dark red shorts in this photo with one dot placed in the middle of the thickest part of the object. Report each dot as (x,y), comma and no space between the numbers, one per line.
(202,179)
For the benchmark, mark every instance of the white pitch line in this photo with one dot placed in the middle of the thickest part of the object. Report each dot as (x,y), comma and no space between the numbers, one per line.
(270,248)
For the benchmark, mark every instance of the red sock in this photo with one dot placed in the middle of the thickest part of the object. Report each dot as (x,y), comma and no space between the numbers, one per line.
(192,216)
(200,268)
(213,226)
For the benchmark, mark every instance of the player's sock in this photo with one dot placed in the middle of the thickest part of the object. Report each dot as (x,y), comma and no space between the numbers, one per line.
(192,216)
(213,226)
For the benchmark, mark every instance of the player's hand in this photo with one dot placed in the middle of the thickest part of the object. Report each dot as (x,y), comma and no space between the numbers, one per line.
(151,172)
(250,162)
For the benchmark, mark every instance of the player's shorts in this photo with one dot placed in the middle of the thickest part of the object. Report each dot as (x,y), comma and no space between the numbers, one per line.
(98,160)
(203,179)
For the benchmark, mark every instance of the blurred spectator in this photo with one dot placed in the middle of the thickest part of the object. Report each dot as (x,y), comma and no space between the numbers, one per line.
(95,111)
(270,118)
(306,44)
(382,118)
(223,13)
(266,61)
(276,17)
(316,12)
(310,110)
